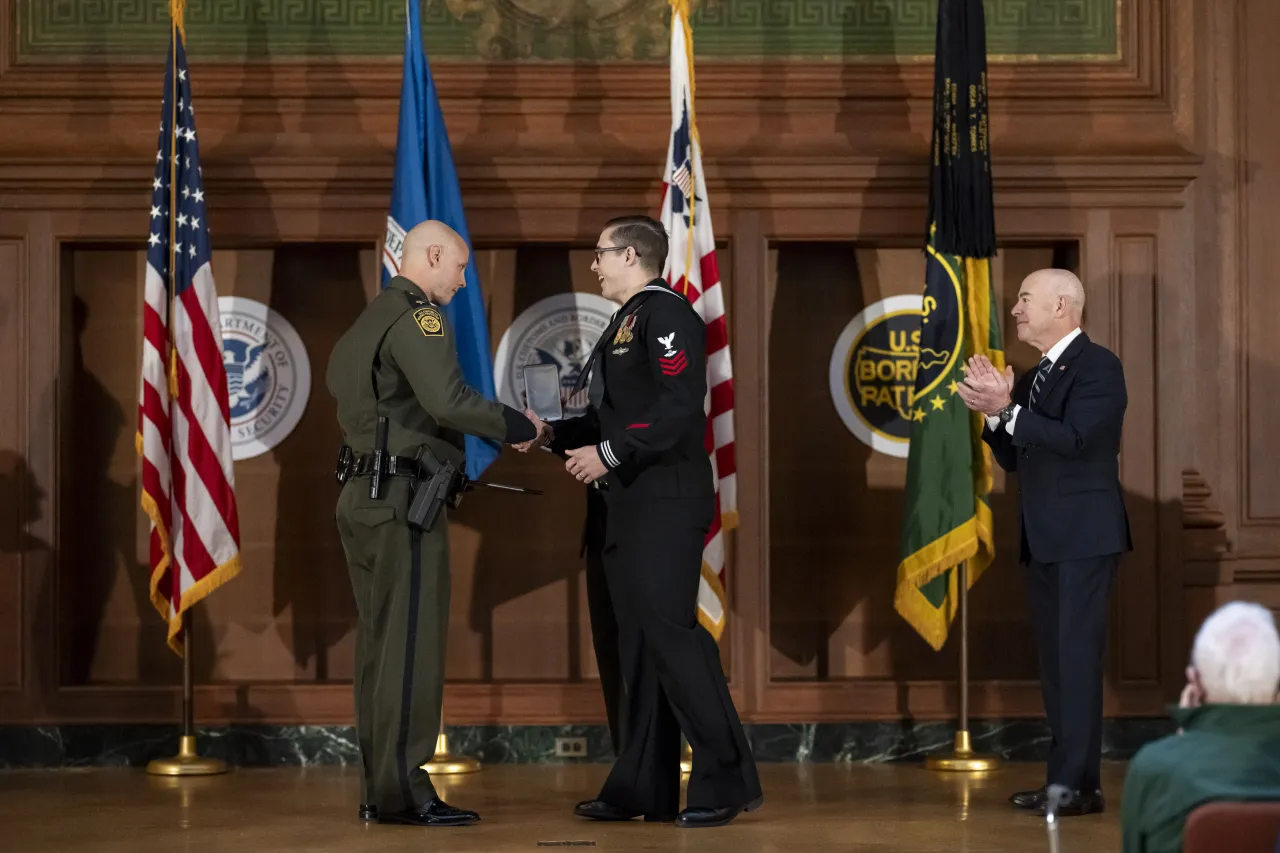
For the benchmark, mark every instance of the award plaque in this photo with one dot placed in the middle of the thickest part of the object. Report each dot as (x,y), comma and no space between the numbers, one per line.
(542,391)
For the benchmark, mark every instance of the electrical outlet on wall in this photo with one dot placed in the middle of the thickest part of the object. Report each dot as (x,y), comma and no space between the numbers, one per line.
(571,747)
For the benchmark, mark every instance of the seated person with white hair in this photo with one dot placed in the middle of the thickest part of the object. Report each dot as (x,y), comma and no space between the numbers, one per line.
(1228,743)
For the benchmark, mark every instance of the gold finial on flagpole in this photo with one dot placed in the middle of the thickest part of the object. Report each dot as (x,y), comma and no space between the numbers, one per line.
(177,12)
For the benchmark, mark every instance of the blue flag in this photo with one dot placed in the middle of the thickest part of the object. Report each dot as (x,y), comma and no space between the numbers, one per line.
(426,187)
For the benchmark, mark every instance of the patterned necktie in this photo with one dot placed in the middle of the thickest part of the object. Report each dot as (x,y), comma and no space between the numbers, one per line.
(1041,373)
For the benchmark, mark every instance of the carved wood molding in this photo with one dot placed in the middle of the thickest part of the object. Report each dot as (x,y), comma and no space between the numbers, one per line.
(1138,78)
(574,184)
(1204,533)
(1197,510)
(619,111)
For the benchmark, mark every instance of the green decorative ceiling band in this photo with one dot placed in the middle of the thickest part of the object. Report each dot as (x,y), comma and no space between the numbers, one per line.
(549,30)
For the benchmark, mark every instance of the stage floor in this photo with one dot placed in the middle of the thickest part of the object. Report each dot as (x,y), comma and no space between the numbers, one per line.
(524,807)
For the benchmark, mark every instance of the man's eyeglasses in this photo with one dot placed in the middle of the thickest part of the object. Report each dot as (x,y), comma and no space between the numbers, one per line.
(600,250)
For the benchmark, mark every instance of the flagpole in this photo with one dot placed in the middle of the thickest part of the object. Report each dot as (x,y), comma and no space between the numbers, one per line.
(963,758)
(188,761)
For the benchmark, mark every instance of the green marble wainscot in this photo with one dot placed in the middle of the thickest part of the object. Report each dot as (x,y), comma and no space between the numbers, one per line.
(278,746)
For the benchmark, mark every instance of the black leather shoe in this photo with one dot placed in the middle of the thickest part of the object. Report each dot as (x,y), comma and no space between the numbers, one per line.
(1079,803)
(368,812)
(600,810)
(1029,799)
(435,813)
(696,818)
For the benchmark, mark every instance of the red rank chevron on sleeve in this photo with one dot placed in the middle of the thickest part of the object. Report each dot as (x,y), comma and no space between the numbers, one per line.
(674,365)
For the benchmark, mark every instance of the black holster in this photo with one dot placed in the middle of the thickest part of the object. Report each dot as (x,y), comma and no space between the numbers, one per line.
(442,486)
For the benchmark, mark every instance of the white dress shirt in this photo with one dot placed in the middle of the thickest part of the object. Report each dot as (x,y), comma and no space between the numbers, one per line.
(1055,352)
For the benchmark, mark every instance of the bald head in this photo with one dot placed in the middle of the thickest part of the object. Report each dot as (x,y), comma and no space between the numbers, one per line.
(1050,306)
(434,257)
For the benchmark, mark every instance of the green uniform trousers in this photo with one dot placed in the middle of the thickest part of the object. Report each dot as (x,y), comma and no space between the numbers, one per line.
(401,582)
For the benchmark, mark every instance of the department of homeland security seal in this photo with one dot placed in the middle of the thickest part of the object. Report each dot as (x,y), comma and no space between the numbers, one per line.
(872,374)
(560,330)
(268,375)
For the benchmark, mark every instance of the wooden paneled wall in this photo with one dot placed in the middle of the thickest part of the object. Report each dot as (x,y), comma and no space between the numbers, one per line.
(1153,174)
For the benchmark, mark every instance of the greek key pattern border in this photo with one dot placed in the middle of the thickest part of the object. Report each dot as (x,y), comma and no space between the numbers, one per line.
(836,30)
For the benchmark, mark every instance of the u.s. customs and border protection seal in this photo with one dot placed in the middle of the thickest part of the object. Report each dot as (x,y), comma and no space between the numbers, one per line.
(428,320)
(562,330)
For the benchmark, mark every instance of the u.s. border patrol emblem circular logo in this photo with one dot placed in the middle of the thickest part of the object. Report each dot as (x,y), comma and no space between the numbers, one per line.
(268,375)
(873,370)
(560,330)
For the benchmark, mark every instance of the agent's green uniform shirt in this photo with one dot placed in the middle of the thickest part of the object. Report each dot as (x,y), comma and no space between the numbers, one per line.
(402,345)
(1225,753)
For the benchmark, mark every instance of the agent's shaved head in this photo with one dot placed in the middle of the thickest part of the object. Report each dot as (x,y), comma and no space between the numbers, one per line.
(1050,306)
(434,257)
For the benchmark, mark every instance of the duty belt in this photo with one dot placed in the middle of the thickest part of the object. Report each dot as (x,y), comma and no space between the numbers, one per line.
(397,466)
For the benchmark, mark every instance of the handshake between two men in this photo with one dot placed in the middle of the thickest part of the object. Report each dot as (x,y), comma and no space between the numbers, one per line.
(584,463)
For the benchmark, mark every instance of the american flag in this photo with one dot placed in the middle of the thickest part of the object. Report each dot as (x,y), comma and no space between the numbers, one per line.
(184,434)
(692,270)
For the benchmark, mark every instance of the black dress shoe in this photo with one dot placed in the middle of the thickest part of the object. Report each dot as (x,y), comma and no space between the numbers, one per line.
(368,812)
(1029,799)
(698,817)
(1078,803)
(435,813)
(600,810)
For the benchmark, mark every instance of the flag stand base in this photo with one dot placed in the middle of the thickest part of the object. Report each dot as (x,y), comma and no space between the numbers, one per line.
(444,764)
(186,762)
(963,759)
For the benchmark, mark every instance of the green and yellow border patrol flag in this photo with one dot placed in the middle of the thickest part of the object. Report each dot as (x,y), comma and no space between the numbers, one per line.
(947,517)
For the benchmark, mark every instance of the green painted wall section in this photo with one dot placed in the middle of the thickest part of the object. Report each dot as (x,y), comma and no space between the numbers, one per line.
(550,30)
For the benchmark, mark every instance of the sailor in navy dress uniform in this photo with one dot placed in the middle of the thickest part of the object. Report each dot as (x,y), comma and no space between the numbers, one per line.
(642,438)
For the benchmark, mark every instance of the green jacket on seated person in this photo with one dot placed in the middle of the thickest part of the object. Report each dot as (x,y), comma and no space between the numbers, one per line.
(1224,753)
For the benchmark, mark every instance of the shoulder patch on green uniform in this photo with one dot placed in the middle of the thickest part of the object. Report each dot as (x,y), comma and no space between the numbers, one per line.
(429,322)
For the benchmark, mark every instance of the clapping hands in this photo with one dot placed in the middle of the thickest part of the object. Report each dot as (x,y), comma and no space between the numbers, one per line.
(985,389)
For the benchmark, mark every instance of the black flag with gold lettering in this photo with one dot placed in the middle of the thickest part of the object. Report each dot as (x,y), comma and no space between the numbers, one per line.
(947,519)
(960,179)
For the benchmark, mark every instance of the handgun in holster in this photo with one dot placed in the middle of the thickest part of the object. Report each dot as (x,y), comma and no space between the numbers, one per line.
(441,487)
(346,465)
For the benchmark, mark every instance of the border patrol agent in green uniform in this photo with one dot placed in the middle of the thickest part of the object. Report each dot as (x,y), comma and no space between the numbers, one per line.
(404,410)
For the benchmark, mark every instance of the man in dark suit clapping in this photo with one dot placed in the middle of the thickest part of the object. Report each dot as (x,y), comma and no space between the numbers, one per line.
(1058,427)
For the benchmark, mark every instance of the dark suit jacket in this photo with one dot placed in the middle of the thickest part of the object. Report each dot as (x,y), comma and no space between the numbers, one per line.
(1066,456)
